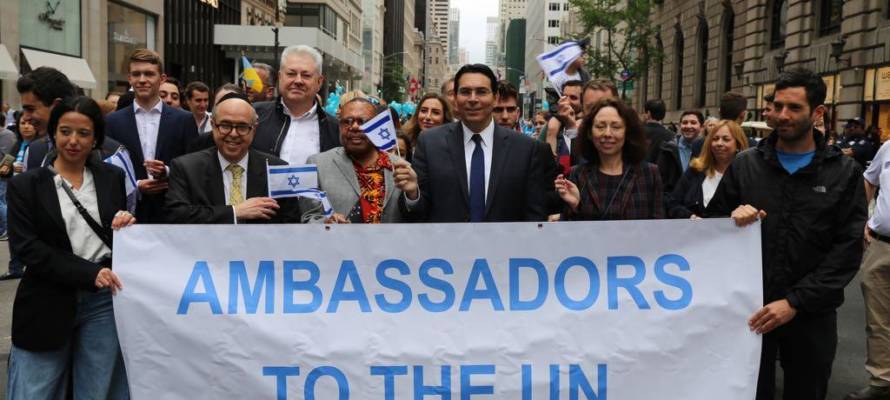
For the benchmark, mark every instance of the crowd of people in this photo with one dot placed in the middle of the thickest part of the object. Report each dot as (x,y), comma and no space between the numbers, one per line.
(465,155)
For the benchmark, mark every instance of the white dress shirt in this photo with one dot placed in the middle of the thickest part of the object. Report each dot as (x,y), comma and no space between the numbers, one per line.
(85,243)
(302,139)
(148,121)
(227,178)
(487,148)
(709,187)
(204,126)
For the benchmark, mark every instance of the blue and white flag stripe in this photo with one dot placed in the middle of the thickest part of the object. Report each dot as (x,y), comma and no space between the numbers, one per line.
(381,131)
(121,159)
(288,180)
(555,62)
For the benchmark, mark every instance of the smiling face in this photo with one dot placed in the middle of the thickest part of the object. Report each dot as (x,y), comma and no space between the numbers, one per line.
(199,102)
(145,79)
(299,79)
(35,111)
(234,125)
(608,132)
(723,145)
(430,114)
(169,94)
(354,140)
(475,99)
(690,127)
(74,137)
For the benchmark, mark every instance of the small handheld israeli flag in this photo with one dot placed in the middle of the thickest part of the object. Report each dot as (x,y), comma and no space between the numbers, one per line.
(381,131)
(297,181)
(555,62)
(121,159)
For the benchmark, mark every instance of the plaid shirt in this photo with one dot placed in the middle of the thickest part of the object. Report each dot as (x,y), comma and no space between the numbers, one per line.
(635,195)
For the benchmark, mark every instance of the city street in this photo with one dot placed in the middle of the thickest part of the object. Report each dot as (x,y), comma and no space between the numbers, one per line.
(848,373)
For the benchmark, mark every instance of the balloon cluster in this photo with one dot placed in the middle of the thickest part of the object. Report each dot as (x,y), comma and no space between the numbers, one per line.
(333,101)
(404,110)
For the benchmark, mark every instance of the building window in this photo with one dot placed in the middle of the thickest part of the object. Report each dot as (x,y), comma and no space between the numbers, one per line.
(830,16)
(554,6)
(702,62)
(313,16)
(778,19)
(728,25)
(553,23)
(678,69)
(553,39)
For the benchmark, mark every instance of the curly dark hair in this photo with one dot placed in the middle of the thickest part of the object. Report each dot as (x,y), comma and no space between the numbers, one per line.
(634,149)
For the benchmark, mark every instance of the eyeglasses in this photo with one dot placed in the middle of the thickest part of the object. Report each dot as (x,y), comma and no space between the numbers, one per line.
(227,128)
(349,121)
(510,110)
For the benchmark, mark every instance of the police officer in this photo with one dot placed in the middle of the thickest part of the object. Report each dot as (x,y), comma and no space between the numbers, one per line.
(855,143)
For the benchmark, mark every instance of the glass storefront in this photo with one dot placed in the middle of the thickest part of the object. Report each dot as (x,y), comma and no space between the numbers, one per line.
(128,29)
(52,25)
(877,100)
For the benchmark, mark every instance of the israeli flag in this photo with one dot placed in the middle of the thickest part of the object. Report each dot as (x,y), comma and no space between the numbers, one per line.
(381,131)
(297,181)
(555,62)
(290,180)
(121,159)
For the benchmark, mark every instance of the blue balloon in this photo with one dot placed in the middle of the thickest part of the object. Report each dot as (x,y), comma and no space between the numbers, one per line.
(545,105)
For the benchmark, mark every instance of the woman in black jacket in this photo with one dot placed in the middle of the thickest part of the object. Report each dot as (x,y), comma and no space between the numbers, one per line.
(60,222)
(698,184)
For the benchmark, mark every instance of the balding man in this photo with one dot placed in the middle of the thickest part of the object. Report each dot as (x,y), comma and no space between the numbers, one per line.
(228,183)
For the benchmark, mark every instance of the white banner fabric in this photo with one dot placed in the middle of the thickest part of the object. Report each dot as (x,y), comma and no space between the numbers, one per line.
(585,310)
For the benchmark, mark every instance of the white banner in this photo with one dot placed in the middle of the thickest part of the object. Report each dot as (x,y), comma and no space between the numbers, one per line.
(599,310)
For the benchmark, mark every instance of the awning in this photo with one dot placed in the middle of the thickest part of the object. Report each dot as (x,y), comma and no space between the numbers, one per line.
(76,69)
(7,66)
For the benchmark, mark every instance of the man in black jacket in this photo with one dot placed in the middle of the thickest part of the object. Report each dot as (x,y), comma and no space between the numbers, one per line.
(295,125)
(811,201)
(656,133)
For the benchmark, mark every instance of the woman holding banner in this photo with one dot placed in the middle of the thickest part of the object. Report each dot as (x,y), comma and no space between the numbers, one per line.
(616,183)
(60,218)
(698,184)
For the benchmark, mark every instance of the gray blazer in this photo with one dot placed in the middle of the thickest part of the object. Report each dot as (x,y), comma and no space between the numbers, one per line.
(336,177)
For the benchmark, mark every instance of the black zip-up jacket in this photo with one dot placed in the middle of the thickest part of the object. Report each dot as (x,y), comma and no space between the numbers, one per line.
(273,125)
(813,230)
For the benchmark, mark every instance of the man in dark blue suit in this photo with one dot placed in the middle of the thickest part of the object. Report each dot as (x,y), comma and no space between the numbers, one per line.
(153,132)
(474,170)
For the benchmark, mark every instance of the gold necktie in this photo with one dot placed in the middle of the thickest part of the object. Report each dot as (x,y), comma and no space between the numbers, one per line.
(235,195)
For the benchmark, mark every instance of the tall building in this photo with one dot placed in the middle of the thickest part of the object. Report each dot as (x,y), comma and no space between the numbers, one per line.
(491,45)
(259,12)
(88,40)
(463,56)
(372,45)
(742,45)
(541,34)
(414,43)
(439,13)
(514,52)
(436,65)
(453,36)
(508,10)
(188,40)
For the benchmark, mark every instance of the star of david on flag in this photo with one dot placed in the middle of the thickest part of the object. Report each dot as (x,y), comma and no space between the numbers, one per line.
(381,131)
(555,62)
(297,181)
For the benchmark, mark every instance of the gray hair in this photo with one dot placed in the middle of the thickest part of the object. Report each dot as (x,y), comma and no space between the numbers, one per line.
(302,49)
(264,67)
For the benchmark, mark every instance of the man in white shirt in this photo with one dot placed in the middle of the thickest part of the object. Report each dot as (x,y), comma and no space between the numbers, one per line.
(197,97)
(228,183)
(153,133)
(295,126)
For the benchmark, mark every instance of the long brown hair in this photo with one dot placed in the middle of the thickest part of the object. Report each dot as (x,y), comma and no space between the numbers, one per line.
(634,149)
(705,162)
(412,127)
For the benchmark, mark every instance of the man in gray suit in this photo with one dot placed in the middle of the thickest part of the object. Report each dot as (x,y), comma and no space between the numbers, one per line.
(357,177)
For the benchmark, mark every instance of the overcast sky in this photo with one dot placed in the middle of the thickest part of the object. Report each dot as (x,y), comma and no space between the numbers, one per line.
(472,25)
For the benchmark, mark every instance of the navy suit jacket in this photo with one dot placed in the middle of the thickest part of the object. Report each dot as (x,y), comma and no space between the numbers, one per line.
(521,177)
(175,133)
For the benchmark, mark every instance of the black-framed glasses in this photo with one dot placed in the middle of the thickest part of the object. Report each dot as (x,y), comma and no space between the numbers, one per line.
(226,128)
(349,121)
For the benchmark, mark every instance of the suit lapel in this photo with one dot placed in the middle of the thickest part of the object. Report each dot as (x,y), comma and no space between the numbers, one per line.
(344,164)
(163,128)
(389,184)
(500,149)
(257,180)
(455,145)
(133,130)
(216,191)
(50,198)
